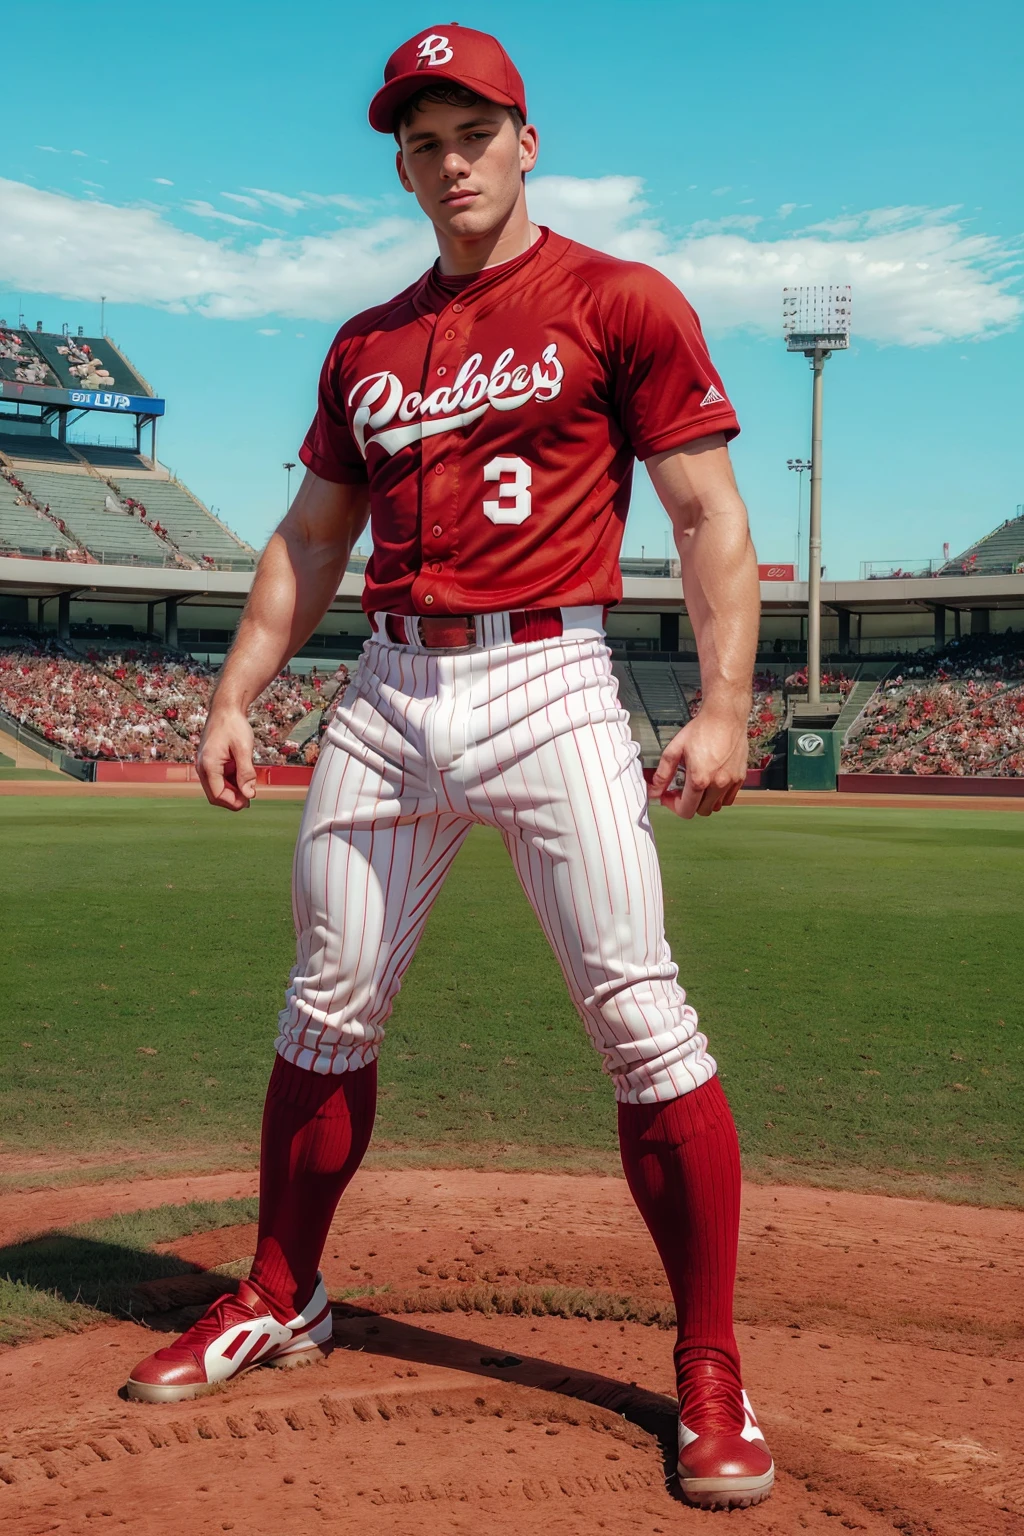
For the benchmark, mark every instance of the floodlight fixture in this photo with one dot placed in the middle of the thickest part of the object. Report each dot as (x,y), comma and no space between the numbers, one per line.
(816,321)
(817,318)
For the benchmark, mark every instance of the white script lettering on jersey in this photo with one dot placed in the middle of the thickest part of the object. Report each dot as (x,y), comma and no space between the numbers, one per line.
(435,50)
(381,397)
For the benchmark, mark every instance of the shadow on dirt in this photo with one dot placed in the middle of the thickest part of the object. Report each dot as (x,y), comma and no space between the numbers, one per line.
(90,1272)
(372,1333)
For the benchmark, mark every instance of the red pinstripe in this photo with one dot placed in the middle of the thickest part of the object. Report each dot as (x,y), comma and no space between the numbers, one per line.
(530,739)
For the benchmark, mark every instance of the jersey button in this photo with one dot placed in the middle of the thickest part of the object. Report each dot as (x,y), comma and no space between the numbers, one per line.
(429,598)
(438,469)
(449,335)
(457,309)
(437,530)
(442,371)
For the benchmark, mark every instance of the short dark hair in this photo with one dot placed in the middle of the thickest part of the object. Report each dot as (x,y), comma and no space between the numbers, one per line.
(447,95)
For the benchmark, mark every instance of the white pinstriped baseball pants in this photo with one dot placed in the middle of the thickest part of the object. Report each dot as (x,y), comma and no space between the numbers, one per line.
(530,739)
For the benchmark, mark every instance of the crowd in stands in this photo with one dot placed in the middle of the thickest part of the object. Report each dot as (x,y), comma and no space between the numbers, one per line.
(831,682)
(84,367)
(23,498)
(959,714)
(136,509)
(144,705)
(29,367)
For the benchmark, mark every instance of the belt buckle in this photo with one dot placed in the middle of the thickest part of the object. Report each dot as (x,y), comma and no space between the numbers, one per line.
(468,622)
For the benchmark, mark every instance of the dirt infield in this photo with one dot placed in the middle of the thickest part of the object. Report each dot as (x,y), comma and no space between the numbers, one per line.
(883,1344)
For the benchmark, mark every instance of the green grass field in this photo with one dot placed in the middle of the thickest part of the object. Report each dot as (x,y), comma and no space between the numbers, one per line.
(857,972)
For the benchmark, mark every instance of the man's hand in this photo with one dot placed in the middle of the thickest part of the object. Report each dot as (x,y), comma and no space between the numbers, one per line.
(224,760)
(712,751)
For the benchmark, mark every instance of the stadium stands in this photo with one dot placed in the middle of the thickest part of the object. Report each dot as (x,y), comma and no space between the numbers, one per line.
(115,507)
(997,553)
(661,696)
(663,699)
(24,530)
(41,449)
(88,507)
(134,706)
(193,528)
(961,714)
(639,722)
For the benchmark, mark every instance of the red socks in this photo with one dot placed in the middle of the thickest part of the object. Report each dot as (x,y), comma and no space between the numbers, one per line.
(316,1128)
(681,1161)
(682,1165)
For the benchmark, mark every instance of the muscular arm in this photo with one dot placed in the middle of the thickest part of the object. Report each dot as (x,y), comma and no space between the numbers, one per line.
(294,585)
(698,491)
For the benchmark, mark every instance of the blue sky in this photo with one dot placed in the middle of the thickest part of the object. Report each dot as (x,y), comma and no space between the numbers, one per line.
(210,169)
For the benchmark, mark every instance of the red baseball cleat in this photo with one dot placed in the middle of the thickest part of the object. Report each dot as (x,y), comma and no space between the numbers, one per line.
(237,1334)
(723,1460)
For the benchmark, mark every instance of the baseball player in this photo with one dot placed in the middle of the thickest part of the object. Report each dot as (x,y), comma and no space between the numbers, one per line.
(485,422)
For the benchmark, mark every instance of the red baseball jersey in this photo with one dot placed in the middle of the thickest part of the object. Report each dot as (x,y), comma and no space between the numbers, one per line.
(496,421)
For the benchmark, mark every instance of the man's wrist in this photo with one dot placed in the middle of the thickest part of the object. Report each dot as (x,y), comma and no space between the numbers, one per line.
(732,705)
(230,701)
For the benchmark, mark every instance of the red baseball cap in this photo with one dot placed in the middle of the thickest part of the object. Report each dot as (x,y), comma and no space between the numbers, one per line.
(453,53)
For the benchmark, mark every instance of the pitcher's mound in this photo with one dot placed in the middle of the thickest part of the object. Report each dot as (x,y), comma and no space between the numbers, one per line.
(882,1351)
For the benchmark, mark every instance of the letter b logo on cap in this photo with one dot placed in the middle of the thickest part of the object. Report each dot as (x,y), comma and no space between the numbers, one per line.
(435,50)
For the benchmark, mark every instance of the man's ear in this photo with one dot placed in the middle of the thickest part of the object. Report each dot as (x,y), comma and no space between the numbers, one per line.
(400,168)
(529,147)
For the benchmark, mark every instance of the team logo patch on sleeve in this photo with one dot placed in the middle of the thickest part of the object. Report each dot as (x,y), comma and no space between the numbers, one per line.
(713,398)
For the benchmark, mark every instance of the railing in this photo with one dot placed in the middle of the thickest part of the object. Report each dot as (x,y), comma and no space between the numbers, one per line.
(42,552)
(118,557)
(896,570)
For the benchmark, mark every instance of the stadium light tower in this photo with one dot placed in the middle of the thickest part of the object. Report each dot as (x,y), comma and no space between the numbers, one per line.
(816,322)
(288,484)
(800,466)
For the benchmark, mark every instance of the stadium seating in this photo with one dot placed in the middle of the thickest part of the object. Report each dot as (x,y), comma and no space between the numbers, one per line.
(959,714)
(640,725)
(42,450)
(140,706)
(194,530)
(666,705)
(24,531)
(997,553)
(81,500)
(105,457)
(193,536)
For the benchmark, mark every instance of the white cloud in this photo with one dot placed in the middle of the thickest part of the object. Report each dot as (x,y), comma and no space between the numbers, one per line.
(162,181)
(268,331)
(289,205)
(80,153)
(204,210)
(918,276)
(246,202)
(730,221)
(48,149)
(334,199)
(785,209)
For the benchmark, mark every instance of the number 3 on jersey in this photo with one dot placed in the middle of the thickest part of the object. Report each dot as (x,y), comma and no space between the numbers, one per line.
(513,503)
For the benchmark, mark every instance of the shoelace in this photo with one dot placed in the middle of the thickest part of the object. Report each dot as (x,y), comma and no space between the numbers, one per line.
(225,1312)
(712,1405)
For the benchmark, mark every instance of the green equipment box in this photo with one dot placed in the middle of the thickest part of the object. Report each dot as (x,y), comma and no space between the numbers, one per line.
(812,759)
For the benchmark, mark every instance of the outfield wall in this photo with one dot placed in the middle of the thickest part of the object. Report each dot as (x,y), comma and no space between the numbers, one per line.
(926,784)
(185,773)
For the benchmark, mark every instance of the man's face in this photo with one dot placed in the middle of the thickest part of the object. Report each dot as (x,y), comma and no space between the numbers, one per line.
(465,165)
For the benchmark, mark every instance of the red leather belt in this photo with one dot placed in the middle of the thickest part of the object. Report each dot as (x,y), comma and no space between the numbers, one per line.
(461,632)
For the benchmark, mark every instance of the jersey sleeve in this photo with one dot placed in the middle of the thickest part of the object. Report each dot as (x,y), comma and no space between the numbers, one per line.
(329,449)
(665,389)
